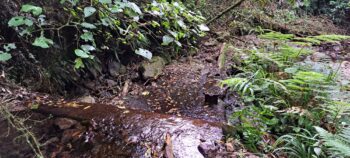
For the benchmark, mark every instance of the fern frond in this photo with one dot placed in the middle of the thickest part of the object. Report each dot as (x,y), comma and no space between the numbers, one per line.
(337,144)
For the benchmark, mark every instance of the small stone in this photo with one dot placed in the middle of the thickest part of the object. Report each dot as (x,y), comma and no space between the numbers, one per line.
(115,68)
(210,42)
(229,147)
(320,57)
(207,149)
(65,123)
(87,99)
(111,83)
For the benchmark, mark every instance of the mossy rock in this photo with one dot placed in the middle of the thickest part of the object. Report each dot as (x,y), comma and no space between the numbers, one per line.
(152,69)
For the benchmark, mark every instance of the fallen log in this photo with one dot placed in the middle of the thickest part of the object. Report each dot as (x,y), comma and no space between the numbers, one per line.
(122,132)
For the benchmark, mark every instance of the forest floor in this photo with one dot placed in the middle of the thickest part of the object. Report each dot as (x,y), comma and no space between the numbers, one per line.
(186,89)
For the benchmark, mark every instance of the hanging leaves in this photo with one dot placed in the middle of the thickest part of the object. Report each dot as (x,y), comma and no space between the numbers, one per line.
(27,8)
(5,56)
(88,25)
(16,21)
(42,42)
(88,11)
(81,53)
(145,53)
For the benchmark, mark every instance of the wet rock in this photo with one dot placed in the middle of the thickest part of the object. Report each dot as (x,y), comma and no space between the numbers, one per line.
(65,123)
(318,56)
(111,83)
(153,68)
(115,68)
(207,149)
(87,99)
(119,124)
(71,135)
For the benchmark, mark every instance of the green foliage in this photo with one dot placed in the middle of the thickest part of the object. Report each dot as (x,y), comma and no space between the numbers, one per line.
(42,42)
(297,145)
(337,144)
(27,8)
(297,100)
(254,122)
(276,36)
(317,40)
(337,10)
(5,54)
(154,27)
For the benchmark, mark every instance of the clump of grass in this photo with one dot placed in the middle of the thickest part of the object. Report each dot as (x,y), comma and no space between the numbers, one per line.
(276,36)
(19,125)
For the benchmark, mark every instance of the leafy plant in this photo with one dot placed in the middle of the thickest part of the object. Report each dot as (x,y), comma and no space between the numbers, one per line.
(338,145)
(125,26)
(297,145)
(5,54)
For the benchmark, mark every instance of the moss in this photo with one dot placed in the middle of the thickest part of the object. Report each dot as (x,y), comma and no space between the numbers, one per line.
(317,40)
(276,36)
(308,40)
(298,43)
(331,38)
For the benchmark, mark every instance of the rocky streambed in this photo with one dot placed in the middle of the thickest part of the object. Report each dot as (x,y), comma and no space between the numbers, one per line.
(177,111)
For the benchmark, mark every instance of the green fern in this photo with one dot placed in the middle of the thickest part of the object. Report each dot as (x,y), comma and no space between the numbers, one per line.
(337,144)
(297,145)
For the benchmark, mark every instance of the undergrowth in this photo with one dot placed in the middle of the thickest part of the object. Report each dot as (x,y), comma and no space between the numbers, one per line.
(309,40)
(287,104)
(18,124)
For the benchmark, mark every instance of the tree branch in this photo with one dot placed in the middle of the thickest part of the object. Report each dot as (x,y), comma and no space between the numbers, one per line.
(225,11)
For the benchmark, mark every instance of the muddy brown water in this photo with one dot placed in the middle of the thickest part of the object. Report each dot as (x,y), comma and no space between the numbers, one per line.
(120,132)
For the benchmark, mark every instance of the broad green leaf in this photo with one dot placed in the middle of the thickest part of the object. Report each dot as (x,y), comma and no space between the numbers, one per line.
(145,53)
(16,21)
(181,24)
(81,53)
(155,24)
(117,9)
(78,63)
(134,7)
(33,9)
(106,22)
(9,47)
(178,43)
(167,40)
(28,22)
(87,36)
(105,1)
(88,25)
(42,42)
(5,56)
(87,48)
(88,11)
(203,27)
